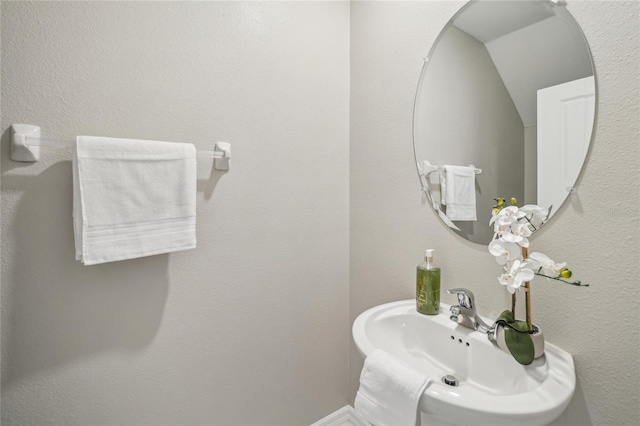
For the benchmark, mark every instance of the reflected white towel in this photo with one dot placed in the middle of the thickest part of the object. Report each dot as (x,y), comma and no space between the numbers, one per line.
(460,192)
(390,391)
(132,198)
(443,186)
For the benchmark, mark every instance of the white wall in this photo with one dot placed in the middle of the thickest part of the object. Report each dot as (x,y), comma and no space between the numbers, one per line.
(596,231)
(252,326)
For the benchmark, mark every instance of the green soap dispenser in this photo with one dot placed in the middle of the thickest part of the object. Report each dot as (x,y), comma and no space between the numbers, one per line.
(428,286)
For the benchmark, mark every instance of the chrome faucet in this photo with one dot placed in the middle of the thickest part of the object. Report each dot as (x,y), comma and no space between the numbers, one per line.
(466,308)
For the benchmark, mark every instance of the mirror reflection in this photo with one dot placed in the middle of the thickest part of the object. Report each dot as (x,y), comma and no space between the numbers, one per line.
(506,101)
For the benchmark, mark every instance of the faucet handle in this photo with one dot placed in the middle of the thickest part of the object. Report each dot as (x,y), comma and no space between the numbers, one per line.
(465,297)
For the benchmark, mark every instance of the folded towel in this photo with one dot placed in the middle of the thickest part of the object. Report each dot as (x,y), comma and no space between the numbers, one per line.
(132,198)
(460,192)
(390,391)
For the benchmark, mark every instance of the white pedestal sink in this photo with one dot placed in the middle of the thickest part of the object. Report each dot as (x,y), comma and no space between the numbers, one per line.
(493,388)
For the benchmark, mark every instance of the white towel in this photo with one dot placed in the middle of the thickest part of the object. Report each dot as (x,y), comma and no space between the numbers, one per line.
(132,198)
(443,186)
(390,391)
(460,192)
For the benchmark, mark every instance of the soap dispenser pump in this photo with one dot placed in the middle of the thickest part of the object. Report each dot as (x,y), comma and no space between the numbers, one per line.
(428,286)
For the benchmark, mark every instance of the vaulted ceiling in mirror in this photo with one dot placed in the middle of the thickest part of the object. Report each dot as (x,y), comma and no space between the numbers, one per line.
(535,27)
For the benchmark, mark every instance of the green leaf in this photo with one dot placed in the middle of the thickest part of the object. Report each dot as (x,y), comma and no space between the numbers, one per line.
(519,344)
(517,338)
(506,317)
(520,326)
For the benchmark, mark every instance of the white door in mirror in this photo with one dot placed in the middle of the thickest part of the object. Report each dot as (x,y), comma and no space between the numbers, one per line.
(565,120)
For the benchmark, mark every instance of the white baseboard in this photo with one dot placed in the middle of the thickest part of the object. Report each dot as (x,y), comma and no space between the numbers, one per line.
(346,416)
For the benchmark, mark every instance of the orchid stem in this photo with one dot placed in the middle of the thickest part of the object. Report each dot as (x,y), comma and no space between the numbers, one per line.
(531,223)
(576,283)
(527,294)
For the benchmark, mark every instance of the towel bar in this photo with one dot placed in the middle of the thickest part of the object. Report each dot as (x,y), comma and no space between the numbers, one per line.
(426,168)
(26,143)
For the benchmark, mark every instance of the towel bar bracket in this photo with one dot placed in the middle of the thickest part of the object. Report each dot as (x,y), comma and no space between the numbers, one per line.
(222,162)
(20,151)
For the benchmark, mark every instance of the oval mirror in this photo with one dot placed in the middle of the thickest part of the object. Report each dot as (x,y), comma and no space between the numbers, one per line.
(505,108)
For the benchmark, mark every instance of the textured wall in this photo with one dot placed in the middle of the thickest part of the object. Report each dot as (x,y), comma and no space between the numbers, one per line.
(252,326)
(597,231)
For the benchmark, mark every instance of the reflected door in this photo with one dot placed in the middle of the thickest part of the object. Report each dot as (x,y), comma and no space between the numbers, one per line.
(565,120)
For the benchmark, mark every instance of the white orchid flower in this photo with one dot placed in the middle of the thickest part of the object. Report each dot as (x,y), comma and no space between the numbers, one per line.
(505,218)
(530,264)
(499,229)
(510,215)
(515,276)
(537,215)
(504,251)
(549,267)
(521,231)
(514,238)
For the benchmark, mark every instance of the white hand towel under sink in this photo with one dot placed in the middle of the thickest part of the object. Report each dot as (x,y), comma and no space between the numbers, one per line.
(390,391)
(460,192)
(132,198)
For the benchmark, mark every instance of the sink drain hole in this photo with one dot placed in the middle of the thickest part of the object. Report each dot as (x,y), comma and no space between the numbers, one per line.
(450,380)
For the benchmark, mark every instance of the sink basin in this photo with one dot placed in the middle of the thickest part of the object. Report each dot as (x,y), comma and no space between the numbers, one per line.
(493,388)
